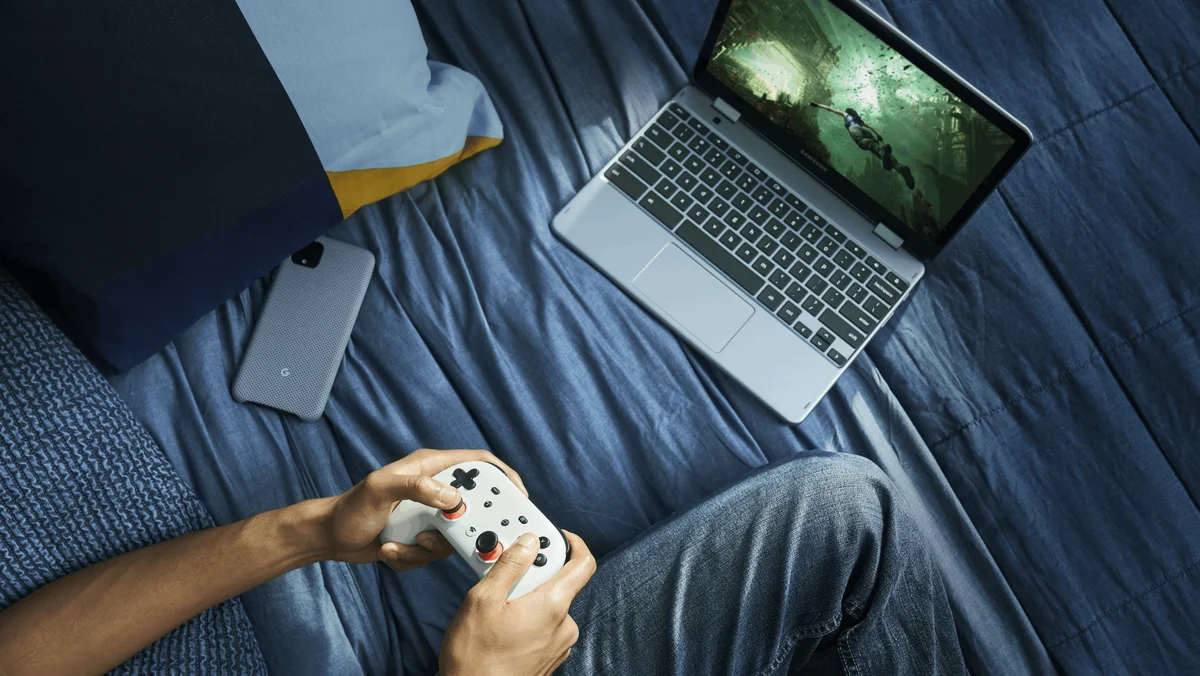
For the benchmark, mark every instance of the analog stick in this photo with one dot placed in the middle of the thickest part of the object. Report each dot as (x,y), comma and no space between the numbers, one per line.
(458,511)
(487,546)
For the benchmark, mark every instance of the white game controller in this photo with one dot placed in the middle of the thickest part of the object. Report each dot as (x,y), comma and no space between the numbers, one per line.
(492,515)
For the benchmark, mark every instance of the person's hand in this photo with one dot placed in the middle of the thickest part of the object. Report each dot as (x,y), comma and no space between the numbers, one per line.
(350,524)
(528,636)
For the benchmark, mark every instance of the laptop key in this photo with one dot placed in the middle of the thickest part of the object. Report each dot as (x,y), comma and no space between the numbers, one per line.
(789,313)
(670,168)
(746,252)
(714,157)
(718,207)
(886,293)
(783,258)
(816,218)
(796,292)
(762,195)
(779,208)
(722,259)
(855,249)
(747,183)
(698,126)
(734,219)
(682,201)
(767,245)
(751,232)
(730,240)
(833,298)
(763,266)
(641,168)
(731,171)
(666,188)
(694,164)
(758,215)
(727,190)
(895,280)
(719,142)
(741,201)
(668,120)
(857,293)
(710,177)
(776,187)
(770,298)
(836,235)
(791,241)
(820,343)
(857,318)
(876,307)
(803,330)
(686,180)
(840,280)
(825,335)
(812,233)
(659,136)
(714,227)
(702,193)
(779,279)
(836,357)
(679,152)
(625,181)
(800,271)
(683,132)
(816,285)
(841,328)
(843,259)
(827,246)
(653,154)
(813,305)
(738,157)
(657,206)
(823,267)
(699,145)
(875,265)
(679,111)
(795,202)
(794,220)
(698,214)
(860,272)
(756,172)
(808,254)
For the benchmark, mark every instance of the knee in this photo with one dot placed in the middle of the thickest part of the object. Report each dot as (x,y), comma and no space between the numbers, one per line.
(836,489)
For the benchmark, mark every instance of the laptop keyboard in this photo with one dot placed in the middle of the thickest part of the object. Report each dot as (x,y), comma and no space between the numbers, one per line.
(797,265)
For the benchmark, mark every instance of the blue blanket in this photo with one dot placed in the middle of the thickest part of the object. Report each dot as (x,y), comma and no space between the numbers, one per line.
(1035,401)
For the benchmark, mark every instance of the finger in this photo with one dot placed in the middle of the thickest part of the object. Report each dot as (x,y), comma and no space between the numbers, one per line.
(386,488)
(435,462)
(436,543)
(566,585)
(510,567)
(405,557)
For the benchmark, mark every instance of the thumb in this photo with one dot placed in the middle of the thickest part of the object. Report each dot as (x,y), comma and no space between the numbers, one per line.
(386,488)
(510,567)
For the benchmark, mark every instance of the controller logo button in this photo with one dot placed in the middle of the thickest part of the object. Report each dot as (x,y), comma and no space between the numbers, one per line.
(540,560)
(464,478)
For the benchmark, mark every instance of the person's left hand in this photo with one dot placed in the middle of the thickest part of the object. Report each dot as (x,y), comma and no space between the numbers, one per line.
(350,523)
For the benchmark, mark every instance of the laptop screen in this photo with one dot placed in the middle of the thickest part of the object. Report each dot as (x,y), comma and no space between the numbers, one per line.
(859,106)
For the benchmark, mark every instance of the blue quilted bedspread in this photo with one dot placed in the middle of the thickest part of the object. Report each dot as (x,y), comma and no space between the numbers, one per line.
(1037,401)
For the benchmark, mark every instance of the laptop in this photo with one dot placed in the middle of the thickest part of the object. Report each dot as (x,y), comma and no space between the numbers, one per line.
(779,209)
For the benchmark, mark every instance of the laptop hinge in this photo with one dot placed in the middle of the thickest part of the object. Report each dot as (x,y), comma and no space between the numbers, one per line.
(727,110)
(885,233)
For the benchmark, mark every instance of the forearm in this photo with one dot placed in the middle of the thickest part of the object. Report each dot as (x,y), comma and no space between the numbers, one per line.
(96,618)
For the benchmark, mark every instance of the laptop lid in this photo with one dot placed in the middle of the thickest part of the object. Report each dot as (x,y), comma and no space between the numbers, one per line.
(862,108)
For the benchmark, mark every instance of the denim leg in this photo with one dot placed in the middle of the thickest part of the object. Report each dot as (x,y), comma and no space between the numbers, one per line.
(812,556)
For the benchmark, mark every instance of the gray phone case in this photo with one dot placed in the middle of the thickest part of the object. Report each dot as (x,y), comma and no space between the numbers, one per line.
(301,336)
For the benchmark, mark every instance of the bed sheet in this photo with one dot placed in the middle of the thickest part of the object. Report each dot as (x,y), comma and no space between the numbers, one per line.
(1035,401)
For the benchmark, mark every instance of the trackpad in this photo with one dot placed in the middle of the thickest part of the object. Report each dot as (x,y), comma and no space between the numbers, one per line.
(694,297)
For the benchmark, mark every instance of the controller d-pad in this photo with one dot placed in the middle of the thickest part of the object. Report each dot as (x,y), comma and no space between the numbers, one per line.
(464,478)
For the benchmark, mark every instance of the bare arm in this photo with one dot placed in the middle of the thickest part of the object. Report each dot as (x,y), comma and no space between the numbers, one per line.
(824,107)
(94,619)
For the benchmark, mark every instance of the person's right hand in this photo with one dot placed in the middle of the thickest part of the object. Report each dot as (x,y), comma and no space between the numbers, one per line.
(528,636)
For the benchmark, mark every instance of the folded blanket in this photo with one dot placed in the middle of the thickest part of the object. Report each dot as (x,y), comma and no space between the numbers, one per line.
(81,481)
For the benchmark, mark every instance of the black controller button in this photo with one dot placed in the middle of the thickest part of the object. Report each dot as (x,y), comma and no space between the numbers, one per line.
(504,522)
(544,541)
(486,542)
(522,519)
(495,491)
(464,478)
(540,560)
(488,503)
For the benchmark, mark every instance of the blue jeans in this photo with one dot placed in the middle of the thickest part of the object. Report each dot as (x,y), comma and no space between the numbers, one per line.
(812,566)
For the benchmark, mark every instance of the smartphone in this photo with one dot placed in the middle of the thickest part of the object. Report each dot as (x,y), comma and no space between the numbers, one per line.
(300,338)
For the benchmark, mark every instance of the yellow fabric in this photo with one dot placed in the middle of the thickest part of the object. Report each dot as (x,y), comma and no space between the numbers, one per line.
(357,188)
